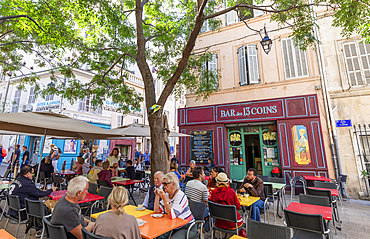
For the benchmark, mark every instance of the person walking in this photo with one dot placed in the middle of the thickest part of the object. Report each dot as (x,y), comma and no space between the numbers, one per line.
(54,157)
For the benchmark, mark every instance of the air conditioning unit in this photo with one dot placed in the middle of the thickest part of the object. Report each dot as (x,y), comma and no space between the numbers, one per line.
(26,108)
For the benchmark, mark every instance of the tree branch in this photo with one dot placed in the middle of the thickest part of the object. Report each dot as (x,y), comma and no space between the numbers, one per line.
(154,36)
(143,3)
(10,31)
(19,16)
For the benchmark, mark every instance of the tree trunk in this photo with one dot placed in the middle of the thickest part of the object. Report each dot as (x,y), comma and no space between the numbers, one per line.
(157,134)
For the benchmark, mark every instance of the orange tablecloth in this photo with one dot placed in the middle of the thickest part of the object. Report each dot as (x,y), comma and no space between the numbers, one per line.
(158,226)
(5,235)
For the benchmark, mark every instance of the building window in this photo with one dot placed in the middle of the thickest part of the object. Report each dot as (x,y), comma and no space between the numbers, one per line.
(49,97)
(209,71)
(247,13)
(31,97)
(357,59)
(120,121)
(248,65)
(85,105)
(230,16)
(294,59)
(17,98)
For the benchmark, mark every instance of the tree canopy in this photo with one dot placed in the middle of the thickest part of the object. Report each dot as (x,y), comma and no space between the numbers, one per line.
(108,35)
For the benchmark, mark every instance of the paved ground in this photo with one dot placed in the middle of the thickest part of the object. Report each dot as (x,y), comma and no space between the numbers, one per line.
(355,215)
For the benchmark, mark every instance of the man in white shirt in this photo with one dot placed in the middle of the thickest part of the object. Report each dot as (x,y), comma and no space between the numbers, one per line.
(150,195)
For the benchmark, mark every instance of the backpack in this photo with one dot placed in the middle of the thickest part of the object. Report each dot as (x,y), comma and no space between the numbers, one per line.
(3,152)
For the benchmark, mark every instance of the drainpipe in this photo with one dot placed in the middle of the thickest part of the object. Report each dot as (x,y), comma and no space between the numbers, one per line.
(6,94)
(327,101)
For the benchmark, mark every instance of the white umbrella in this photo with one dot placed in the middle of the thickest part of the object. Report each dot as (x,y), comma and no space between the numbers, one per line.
(140,130)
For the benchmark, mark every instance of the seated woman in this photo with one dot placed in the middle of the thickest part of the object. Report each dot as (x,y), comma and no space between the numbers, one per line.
(175,203)
(225,195)
(212,179)
(116,223)
(105,175)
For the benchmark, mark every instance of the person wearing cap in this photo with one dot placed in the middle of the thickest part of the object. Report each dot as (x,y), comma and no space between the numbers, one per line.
(225,195)
(54,157)
(254,186)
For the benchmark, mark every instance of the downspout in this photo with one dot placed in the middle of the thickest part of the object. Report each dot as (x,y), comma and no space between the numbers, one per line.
(327,101)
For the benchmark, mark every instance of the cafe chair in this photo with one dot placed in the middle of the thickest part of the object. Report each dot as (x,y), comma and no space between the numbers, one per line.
(333,203)
(276,180)
(307,226)
(7,175)
(257,230)
(93,188)
(295,182)
(104,192)
(102,183)
(35,212)
(226,213)
(264,178)
(329,185)
(271,197)
(54,231)
(57,180)
(198,210)
(13,203)
(89,235)
(342,187)
(43,180)
(314,200)
(233,186)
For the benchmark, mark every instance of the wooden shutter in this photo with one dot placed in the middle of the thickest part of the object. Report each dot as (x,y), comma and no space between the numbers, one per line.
(252,58)
(352,60)
(257,13)
(212,66)
(294,59)
(365,60)
(242,66)
(31,98)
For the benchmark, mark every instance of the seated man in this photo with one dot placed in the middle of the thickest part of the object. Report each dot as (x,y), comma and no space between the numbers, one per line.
(150,195)
(254,186)
(67,212)
(46,167)
(196,191)
(93,174)
(24,187)
(190,170)
(130,170)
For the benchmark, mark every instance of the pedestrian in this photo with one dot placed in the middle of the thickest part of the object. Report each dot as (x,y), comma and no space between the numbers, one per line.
(15,156)
(54,157)
(3,153)
(26,156)
(147,157)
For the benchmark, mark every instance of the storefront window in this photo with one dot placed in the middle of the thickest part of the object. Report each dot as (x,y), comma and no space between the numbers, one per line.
(269,138)
(235,139)
(236,156)
(251,129)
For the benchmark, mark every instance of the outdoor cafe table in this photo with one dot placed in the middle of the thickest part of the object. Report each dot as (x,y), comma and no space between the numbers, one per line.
(66,172)
(334,192)
(117,179)
(237,237)
(129,185)
(158,226)
(247,201)
(326,212)
(5,235)
(88,198)
(316,178)
(5,186)
(129,209)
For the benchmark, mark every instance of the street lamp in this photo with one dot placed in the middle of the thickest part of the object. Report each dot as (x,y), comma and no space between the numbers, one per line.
(266,43)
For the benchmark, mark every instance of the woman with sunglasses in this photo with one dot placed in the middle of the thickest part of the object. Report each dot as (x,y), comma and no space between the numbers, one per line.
(174,203)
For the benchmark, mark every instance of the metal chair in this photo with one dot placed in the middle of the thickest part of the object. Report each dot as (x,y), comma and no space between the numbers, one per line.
(102,183)
(342,187)
(223,212)
(333,203)
(35,210)
(88,235)
(307,225)
(276,180)
(264,178)
(104,192)
(93,188)
(328,185)
(271,197)
(14,204)
(257,230)
(314,200)
(54,231)
(198,210)
(233,186)
(295,182)
(57,180)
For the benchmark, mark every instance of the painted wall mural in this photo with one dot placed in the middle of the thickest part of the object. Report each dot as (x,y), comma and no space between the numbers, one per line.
(301,147)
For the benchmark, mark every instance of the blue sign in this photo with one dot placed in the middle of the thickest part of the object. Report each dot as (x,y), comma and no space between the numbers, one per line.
(343,123)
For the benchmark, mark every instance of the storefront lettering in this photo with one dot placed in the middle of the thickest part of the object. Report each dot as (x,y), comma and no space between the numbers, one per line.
(235,137)
(250,111)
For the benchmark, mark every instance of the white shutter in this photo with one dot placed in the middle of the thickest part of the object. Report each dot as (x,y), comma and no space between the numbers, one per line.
(212,64)
(31,98)
(230,18)
(242,66)
(351,57)
(253,71)
(294,59)
(365,59)
(81,105)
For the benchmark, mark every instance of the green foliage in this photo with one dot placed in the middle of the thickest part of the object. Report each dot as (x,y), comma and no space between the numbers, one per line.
(103,35)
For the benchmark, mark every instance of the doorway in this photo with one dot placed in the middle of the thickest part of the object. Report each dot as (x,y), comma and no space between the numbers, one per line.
(253,152)
(35,149)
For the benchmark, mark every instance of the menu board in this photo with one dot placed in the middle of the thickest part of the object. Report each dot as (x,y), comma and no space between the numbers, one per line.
(201,146)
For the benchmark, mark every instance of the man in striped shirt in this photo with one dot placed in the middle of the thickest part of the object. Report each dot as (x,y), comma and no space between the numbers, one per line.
(196,191)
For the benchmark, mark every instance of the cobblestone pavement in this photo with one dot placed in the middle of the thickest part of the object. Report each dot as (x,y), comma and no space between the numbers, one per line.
(355,215)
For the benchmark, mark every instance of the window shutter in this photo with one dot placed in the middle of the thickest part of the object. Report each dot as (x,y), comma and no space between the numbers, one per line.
(351,56)
(365,59)
(212,67)
(294,59)
(257,13)
(252,58)
(242,66)
(204,26)
(31,98)
(81,105)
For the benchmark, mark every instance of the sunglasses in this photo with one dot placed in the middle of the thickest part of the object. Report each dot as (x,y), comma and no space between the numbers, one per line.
(166,183)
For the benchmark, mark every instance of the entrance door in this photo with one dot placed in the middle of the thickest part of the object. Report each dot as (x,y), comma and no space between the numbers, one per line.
(253,152)
(35,149)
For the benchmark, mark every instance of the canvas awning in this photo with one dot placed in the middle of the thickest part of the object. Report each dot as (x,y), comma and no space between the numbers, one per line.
(139,130)
(57,125)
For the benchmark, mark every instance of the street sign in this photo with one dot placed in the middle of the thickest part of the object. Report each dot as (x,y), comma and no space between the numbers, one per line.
(343,123)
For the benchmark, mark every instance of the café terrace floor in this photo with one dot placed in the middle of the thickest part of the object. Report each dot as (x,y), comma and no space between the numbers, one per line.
(355,215)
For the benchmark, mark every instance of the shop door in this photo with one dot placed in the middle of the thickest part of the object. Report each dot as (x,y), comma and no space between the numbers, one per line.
(253,152)
(35,149)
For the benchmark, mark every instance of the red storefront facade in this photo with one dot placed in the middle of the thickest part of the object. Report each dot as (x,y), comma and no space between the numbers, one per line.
(283,132)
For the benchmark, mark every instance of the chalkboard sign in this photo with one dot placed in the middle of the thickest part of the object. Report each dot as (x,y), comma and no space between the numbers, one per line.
(201,146)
